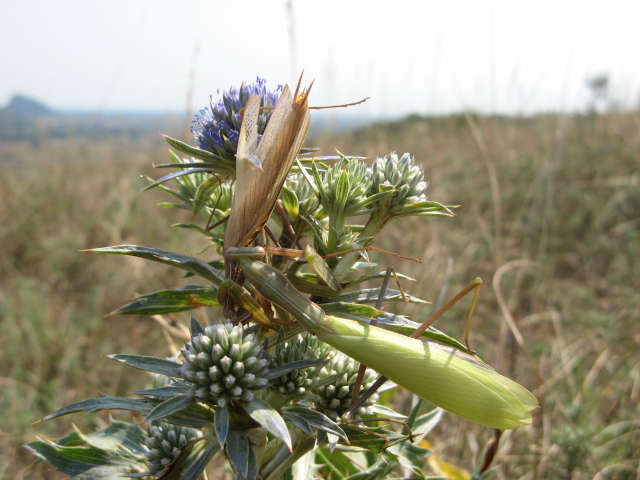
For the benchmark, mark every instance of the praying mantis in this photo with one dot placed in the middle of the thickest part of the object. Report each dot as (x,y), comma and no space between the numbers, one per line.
(447,379)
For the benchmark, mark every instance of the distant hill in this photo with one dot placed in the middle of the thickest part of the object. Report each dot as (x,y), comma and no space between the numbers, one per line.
(27,119)
(22,105)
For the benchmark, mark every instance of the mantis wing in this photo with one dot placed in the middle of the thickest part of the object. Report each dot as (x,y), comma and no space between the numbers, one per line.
(262,168)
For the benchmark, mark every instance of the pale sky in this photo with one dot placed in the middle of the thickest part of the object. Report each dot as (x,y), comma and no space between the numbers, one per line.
(425,57)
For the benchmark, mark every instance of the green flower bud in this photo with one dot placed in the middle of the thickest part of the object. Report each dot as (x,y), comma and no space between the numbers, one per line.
(296,382)
(307,201)
(401,175)
(335,398)
(164,443)
(215,365)
(344,187)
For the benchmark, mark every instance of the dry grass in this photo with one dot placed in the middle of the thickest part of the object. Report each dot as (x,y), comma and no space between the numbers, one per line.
(549,218)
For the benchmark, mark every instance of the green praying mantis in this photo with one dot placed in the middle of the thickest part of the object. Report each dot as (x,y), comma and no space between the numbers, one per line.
(443,376)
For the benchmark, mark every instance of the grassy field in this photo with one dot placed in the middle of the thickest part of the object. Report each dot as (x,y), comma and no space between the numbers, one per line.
(549,217)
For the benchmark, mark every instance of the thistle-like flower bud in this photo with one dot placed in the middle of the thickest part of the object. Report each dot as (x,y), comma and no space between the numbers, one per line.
(400,174)
(217,128)
(164,442)
(335,398)
(225,364)
(296,382)
(307,201)
(344,187)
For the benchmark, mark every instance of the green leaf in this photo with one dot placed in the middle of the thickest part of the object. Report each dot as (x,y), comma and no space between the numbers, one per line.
(252,473)
(291,366)
(336,465)
(196,416)
(325,381)
(118,434)
(290,203)
(162,366)
(238,452)
(318,420)
(296,466)
(297,421)
(170,407)
(269,418)
(342,309)
(376,276)
(321,268)
(204,192)
(167,391)
(221,424)
(214,162)
(185,262)
(370,295)
(374,440)
(109,454)
(427,422)
(213,235)
(384,411)
(371,474)
(174,175)
(195,328)
(427,208)
(311,288)
(411,455)
(192,460)
(170,301)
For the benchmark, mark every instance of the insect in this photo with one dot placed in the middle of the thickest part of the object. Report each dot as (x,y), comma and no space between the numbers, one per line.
(262,168)
(453,381)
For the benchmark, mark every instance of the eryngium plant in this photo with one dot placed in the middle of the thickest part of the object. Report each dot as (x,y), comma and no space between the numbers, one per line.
(223,365)
(271,378)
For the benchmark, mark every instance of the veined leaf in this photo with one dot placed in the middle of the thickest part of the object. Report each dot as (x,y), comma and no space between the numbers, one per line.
(195,416)
(291,366)
(89,462)
(238,452)
(341,309)
(221,424)
(174,175)
(170,407)
(269,418)
(318,420)
(185,262)
(170,301)
(370,295)
(193,459)
(150,364)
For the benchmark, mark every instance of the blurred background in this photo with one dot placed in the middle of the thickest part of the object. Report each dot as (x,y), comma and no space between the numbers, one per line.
(525,114)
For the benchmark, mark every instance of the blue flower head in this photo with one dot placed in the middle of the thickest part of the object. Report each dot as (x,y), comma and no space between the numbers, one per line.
(217,128)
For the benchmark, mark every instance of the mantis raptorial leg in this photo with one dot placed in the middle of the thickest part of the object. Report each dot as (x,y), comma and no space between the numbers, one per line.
(474,284)
(243,300)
